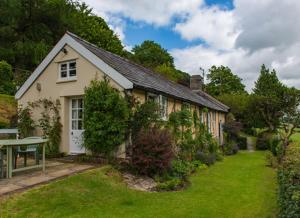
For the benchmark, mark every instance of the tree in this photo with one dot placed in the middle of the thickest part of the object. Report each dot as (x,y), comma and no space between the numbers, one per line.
(7,85)
(30,28)
(270,98)
(290,119)
(150,54)
(106,115)
(223,81)
(173,74)
(240,107)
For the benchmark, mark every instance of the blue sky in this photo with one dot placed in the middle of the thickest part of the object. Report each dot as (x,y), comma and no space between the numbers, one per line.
(137,32)
(240,34)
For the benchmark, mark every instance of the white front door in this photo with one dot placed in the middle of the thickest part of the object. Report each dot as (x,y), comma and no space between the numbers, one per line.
(76,126)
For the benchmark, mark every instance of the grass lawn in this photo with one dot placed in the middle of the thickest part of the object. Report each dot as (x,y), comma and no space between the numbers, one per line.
(296,136)
(239,186)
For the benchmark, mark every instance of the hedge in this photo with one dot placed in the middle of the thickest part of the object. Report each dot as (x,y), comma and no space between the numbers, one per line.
(289,184)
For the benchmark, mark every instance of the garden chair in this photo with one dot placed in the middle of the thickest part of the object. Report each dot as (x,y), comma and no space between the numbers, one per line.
(29,150)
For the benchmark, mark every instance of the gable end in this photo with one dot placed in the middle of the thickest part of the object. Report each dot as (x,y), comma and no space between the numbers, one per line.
(67,40)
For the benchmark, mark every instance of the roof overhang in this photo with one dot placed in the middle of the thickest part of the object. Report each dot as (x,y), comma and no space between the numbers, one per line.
(84,52)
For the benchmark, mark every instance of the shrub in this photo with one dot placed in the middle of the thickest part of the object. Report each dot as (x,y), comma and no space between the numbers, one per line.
(289,184)
(170,185)
(206,158)
(231,148)
(242,142)
(204,142)
(26,124)
(177,177)
(106,115)
(144,116)
(232,127)
(275,145)
(152,151)
(181,168)
(219,155)
(264,140)
(271,160)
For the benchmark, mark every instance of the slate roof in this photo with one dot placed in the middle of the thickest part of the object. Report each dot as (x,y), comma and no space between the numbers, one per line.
(144,78)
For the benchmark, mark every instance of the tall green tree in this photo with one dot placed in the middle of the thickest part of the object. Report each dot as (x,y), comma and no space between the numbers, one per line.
(223,81)
(268,84)
(30,28)
(289,121)
(272,98)
(7,85)
(269,93)
(150,54)
(240,107)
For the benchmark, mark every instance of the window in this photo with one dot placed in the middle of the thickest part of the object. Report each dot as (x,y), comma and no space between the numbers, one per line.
(208,121)
(201,116)
(67,70)
(214,120)
(77,114)
(162,101)
(152,97)
(185,105)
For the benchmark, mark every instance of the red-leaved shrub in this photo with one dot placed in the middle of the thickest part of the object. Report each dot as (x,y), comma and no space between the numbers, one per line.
(152,151)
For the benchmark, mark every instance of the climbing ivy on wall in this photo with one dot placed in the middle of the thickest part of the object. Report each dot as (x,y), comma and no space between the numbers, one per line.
(26,124)
(48,123)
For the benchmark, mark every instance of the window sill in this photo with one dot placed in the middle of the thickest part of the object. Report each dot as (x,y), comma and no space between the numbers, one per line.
(66,80)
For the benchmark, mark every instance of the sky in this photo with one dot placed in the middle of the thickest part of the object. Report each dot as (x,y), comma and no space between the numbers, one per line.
(240,34)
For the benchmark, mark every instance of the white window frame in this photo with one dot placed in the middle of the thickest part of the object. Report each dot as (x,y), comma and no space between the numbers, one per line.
(77,109)
(68,78)
(160,100)
(163,104)
(208,117)
(201,116)
(214,120)
(152,95)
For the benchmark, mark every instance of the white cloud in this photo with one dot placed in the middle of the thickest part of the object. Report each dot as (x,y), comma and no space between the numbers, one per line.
(152,12)
(253,33)
(267,23)
(157,13)
(213,25)
(246,65)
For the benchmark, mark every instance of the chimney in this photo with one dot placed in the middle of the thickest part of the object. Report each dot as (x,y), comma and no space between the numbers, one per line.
(196,82)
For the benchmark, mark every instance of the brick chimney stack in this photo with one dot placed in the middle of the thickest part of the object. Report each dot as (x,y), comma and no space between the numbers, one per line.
(196,82)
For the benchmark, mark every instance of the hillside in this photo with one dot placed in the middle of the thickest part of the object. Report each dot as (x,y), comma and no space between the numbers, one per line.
(8,110)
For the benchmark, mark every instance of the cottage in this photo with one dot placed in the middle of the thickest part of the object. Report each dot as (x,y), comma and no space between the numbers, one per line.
(74,62)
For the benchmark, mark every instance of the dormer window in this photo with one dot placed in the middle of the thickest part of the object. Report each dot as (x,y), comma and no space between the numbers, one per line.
(67,70)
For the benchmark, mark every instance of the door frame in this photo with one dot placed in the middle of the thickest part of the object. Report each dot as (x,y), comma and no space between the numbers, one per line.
(83,150)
